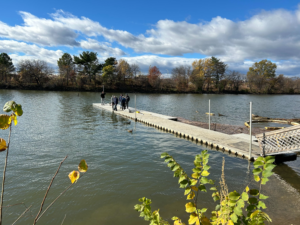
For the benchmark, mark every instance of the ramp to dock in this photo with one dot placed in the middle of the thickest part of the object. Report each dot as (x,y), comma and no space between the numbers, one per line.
(229,143)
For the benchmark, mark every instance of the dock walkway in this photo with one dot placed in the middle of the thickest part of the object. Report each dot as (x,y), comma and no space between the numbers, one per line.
(229,143)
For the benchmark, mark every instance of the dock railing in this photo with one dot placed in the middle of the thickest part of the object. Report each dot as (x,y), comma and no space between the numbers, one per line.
(286,140)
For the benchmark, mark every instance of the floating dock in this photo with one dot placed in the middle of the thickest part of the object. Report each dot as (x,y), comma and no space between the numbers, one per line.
(233,144)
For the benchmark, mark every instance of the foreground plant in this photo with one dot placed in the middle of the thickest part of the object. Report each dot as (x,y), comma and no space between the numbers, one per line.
(233,208)
(5,123)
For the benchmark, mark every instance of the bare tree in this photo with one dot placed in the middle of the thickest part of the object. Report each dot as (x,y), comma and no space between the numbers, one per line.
(34,70)
(181,76)
(235,79)
(135,69)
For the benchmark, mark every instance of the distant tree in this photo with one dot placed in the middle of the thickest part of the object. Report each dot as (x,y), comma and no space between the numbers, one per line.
(88,64)
(66,66)
(235,79)
(111,61)
(201,73)
(124,70)
(218,70)
(6,66)
(135,69)
(154,76)
(36,70)
(181,76)
(261,72)
(108,74)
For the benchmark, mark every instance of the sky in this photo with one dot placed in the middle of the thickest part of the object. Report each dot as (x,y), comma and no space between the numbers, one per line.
(161,33)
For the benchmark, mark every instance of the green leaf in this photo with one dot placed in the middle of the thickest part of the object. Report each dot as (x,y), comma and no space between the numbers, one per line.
(257,171)
(256,178)
(266,173)
(205,173)
(234,195)
(9,106)
(213,189)
(187,190)
(234,217)
(204,180)
(250,208)
(252,200)
(18,110)
(184,183)
(163,155)
(254,192)
(258,163)
(202,188)
(181,178)
(196,170)
(175,167)
(168,158)
(172,163)
(238,211)
(261,196)
(232,202)
(240,203)
(269,166)
(83,167)
(245,196)
(203,210)
(193,182)
(260,158)
(264,180)
(217,207)
(261,205)
(270,159)
(175,218)
(206,167)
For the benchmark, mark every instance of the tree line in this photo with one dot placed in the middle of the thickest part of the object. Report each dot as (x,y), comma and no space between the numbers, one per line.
(85,72)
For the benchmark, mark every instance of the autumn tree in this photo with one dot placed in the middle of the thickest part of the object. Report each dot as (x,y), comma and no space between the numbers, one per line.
(34,70)
(6,66)
(88,64)
(109,74)
(181,76)
(260,72)
(66,66)
(154,76)
(202,73)
(123,70)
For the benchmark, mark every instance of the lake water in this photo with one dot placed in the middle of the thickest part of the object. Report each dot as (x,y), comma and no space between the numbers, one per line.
(126,166)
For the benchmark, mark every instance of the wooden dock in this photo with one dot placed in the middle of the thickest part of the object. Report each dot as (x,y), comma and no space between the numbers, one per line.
(233,144)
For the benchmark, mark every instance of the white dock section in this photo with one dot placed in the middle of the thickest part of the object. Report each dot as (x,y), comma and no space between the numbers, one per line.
(229,143)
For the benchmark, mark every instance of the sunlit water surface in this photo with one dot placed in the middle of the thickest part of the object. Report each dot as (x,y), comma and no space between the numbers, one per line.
(126,166)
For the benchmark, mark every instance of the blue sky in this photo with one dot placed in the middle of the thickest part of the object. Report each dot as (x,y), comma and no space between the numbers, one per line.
(162,33)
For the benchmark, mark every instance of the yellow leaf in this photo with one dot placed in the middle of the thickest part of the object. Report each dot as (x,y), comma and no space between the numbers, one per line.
(82,167)
(178,222)
(194,219)
(3,146)
(194,188)
(191,195)
(5,121)
(230,222)
(247,189)
(205,221)
(74,176)
(190,207)
(195,175)
(14,118)
(193,182)
(205,173)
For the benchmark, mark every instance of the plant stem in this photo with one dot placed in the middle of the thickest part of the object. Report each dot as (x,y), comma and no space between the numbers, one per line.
(48,190)
(22,214)
(56,199)
(4,171)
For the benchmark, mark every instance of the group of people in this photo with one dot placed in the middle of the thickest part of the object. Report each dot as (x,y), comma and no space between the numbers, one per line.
(122,100)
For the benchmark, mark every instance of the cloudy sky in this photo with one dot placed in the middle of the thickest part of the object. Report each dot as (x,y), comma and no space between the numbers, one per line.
(161,33)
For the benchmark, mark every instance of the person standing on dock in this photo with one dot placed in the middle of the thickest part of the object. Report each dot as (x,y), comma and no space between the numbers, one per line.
(127,100)
(123,103)
(102,97)
(120,100)
(115,99)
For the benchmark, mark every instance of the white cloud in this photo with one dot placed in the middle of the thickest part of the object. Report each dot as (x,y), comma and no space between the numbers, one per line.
(102,48)
(14,48)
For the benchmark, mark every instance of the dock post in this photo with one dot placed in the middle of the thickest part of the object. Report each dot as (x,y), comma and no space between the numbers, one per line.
(250,144)
(135,107)
(209,114)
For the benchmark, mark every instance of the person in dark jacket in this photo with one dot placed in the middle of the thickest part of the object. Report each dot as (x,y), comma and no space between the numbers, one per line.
(120,100)
(127,100)
(102,97)
(123,103)
(115,100)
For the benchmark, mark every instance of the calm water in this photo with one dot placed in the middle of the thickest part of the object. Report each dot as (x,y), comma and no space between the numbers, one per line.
(123,166)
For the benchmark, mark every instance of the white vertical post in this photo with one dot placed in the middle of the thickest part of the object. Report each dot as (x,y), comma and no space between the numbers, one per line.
(250,144)
(209,114)
(135,107)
